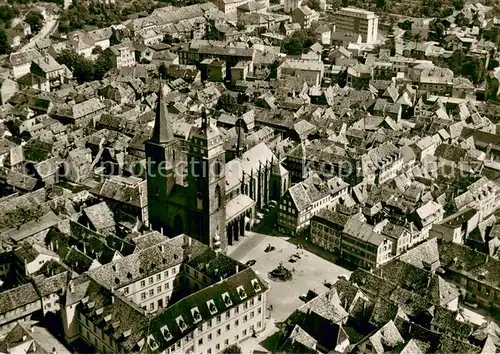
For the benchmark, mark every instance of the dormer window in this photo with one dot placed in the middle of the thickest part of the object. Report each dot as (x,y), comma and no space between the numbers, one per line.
(256,285)
(99,311)
(107,318)
(241,292)
(166,333)
(152,342)
(127,333)
(196,314)
(211,307)
(116,324)
(181,323)
(85,300)
(227,299)
(91,304)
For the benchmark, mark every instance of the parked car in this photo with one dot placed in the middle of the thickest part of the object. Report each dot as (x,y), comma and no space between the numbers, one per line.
(251,262)
(269,248)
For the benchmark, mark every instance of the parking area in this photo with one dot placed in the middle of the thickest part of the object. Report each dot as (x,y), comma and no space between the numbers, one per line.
(310,271)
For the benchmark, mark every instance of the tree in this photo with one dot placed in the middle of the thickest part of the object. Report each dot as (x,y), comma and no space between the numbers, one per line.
(492,64)
(83,69)
(35,20)
(102,64)
(163,70)
(228,103)
(7,13)
(298,41)
(4,42)
(381,4)
(314,5)
(458,4)
(232,349)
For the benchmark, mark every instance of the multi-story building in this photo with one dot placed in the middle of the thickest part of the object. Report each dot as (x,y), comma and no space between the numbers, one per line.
(311,71)
(291,5)
(306,199)
(49,69)
(424,217)
(382,163)
(483,195)
(177,296)
(354,240)
(122,55)
(353,20)
(304,16)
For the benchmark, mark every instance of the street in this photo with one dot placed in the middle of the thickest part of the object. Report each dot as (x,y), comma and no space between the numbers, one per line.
(48,28)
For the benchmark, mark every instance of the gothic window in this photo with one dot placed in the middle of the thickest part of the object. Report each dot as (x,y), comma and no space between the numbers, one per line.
(217,197)
(217,168)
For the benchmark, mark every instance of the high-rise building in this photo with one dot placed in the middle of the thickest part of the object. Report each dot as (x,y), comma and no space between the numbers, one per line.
(353,20)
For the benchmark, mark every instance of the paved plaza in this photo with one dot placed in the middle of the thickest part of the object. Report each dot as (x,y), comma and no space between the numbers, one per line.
(310,271)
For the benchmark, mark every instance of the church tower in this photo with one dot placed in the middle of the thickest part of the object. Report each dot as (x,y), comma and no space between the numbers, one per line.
(160,167)
(206,185)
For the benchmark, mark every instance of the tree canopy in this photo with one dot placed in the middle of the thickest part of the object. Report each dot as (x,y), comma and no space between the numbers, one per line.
(229,104)
(4,43)
(299,41)
(35,20)
(463,65)
(83,68)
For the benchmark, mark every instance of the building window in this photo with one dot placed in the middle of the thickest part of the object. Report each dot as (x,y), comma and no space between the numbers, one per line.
(209,337)
(218,332)
(218,319)
(173,270)
(151,292)
(237,309)
(251,314)
(166,274)
(244,332)
(143,283)
(150,280)
(158,277)
(200,341)
(209,351)
(152,306)
(158,289)
(217,347)
(228,327)
(245,318)
(209,323)
(143,296)
(226,342)
(167,286)
(125,291)
(237,323)
(228,314)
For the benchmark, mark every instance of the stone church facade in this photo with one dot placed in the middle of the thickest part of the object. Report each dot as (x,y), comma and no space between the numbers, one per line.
(208,199)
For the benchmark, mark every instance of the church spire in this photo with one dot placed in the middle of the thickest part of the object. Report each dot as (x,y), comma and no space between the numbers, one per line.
(162,131)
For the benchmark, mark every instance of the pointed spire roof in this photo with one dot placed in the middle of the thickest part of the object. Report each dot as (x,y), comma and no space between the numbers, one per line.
(162,131)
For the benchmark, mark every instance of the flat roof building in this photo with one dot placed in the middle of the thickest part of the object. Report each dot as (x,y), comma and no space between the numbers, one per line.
(353,20)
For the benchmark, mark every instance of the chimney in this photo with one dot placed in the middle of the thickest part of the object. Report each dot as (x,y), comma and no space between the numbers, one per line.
(32,329)
(54,350)
(71,288)
(237,268)
(25,337)
(34,347)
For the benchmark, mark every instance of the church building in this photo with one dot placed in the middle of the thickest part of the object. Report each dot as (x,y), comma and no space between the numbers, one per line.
(192,190)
